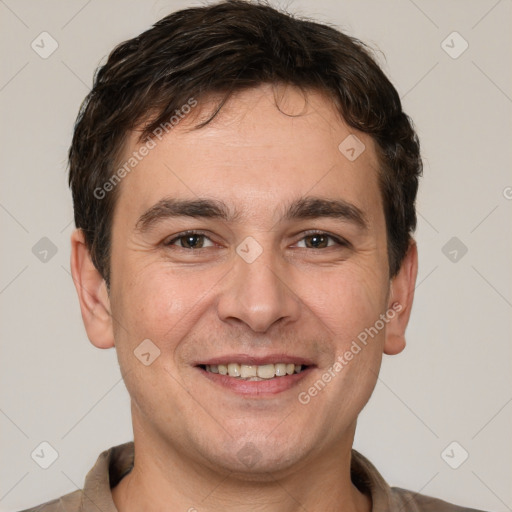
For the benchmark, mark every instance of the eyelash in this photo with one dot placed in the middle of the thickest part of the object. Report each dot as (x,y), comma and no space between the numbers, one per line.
(339,241)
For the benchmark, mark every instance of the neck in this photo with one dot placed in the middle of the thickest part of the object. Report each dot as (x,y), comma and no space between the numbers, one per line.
(164,477)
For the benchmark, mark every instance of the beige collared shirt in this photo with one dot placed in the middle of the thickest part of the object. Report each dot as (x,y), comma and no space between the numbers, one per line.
(113,464)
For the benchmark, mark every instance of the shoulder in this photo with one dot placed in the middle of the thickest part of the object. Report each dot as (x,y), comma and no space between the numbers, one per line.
(111,465)
(420,503)
(68,503)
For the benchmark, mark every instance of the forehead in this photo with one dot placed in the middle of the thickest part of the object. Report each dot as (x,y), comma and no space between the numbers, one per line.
(265,146)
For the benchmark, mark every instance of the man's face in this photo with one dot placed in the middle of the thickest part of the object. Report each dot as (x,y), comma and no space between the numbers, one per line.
(286,276)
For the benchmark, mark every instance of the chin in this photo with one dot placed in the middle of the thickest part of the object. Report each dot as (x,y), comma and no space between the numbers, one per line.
(256,460)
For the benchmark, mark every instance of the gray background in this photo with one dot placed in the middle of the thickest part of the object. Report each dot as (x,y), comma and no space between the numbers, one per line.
(452,383)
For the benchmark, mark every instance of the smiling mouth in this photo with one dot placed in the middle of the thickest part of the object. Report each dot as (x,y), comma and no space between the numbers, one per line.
(254,372)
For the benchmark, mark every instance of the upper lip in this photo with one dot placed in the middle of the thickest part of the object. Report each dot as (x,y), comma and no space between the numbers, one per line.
(257,361)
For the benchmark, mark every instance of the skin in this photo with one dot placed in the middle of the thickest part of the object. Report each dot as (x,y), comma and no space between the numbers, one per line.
(295,298)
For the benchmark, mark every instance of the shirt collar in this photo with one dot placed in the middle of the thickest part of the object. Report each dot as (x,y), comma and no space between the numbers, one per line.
(116,462)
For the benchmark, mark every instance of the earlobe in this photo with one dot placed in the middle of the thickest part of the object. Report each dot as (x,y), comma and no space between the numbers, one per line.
(92,294)
(400,301)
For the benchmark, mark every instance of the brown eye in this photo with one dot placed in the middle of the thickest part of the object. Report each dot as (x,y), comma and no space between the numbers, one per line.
(190,241)
(316,241)
(320,241)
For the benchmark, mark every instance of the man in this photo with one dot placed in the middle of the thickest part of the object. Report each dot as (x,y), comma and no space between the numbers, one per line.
(244,186)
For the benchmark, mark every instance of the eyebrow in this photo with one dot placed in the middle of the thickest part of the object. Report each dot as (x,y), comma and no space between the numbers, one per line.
(303,208)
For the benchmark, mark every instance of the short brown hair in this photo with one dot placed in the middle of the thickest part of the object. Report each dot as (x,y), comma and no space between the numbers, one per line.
(221,48)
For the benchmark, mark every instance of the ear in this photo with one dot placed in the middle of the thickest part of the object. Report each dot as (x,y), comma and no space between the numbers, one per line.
(400,301)
(92,294)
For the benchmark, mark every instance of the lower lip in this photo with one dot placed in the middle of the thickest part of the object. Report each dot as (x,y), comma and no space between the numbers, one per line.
(256,388)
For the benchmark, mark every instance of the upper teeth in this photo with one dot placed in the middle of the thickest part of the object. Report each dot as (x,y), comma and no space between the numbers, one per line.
(254,372)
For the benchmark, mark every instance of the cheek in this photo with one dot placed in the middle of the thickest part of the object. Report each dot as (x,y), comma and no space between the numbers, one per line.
(157,305)
(161,303)
(347,300)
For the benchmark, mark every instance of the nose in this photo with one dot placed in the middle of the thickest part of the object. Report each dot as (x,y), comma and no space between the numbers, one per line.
(258,294)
